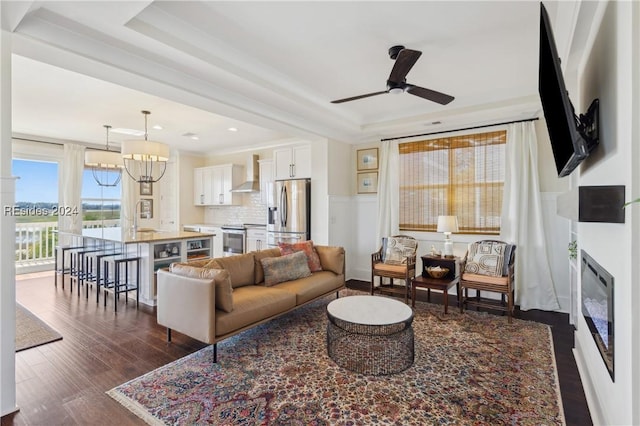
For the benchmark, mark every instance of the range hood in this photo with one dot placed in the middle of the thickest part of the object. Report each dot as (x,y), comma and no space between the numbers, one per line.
(252,184)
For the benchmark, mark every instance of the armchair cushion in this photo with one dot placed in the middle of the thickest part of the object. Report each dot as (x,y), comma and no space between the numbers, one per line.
(485,279)
(490,258)
(222,279)
(395,250)
(304,246)
(285,268)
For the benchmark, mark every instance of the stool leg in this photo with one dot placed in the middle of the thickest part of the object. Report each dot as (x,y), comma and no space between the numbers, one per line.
(106,281)
(116,286)
(137,284)
(55,268)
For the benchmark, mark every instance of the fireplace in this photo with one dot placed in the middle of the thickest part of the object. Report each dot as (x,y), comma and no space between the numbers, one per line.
(597,307)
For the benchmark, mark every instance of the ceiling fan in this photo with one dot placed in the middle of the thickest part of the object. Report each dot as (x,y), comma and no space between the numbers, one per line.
(405,59)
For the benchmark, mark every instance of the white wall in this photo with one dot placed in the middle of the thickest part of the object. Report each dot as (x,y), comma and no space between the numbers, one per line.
(607,75)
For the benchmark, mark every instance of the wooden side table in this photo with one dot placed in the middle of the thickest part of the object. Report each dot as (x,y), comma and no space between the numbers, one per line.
(442,284)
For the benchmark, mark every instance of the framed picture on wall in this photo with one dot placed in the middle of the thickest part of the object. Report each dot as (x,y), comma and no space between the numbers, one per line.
(146,188)
(368,159)
(368,183)
(146,208)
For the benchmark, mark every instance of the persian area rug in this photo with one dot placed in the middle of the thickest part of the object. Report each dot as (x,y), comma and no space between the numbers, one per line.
(31,331)
(470,368)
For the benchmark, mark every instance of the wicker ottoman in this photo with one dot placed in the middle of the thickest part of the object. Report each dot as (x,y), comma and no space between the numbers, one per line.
(370,335)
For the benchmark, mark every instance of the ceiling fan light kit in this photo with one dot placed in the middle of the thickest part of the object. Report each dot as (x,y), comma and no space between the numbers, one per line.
(404,59)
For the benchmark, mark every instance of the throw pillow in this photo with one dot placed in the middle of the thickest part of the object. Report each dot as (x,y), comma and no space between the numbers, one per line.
(285,268)
(221,278)
(487,258)
(395,250)
(307,247)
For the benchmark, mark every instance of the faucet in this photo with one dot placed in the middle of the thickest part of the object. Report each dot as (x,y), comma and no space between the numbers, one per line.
(135,215)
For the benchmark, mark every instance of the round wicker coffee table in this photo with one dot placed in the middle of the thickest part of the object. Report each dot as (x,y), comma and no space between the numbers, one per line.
(370,334)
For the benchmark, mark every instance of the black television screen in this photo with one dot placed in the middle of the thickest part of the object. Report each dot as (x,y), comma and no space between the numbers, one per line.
(571,138)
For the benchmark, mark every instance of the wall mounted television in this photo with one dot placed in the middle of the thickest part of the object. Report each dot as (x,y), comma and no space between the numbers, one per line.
(572,138)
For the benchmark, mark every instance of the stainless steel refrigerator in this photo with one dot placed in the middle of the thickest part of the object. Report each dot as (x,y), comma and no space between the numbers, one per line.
(289,219)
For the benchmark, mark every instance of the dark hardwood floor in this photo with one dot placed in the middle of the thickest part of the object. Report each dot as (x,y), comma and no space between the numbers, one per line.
(64,383)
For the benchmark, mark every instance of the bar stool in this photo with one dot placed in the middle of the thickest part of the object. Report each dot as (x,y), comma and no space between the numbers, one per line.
(118,283)
(64,268)
(93,263)
(78,271)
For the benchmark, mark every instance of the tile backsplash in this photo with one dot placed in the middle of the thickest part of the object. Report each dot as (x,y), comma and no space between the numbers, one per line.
(252,210)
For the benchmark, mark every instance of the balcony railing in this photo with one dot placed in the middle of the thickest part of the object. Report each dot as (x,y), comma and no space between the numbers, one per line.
(36,242)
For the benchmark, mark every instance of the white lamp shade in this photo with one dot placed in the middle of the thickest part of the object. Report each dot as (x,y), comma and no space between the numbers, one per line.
(144,150)
(447,224)
(103,159)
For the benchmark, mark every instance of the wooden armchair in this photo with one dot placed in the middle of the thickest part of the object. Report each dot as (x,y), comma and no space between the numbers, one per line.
(489,266)
(395,259)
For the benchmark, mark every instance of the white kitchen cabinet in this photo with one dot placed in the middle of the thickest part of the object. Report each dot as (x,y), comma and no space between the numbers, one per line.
(292,163)
(212,185)
(266,182)
(202,186)
(217,245)
(224,178)
(256,239)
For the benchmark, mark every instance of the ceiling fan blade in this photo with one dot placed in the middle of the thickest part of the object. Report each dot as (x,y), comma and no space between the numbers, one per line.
(429,94)
(353,98)
(406,59)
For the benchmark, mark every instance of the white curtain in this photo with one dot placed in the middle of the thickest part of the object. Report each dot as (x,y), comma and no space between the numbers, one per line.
(130,195)
(522,221)
(71,194)
(388,191)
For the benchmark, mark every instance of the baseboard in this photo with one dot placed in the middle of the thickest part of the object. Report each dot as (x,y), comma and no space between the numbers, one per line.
(595,409)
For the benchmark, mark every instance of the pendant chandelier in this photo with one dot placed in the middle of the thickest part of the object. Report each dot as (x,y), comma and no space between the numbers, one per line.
(106,165)
(145,161)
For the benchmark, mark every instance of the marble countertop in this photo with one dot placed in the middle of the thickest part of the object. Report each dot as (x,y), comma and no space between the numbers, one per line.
(126,236)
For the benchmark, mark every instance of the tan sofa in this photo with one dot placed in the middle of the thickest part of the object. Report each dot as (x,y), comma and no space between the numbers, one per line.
(188,305)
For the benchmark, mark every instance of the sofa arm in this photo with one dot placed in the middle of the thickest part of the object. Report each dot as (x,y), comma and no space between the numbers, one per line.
(332,258)
(187,305)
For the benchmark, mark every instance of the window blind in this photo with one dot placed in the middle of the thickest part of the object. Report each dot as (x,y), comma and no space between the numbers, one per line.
(459,176)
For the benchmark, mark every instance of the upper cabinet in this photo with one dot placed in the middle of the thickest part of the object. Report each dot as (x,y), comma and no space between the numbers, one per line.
(292,163)
(225,178)
(202,189)
(212,185)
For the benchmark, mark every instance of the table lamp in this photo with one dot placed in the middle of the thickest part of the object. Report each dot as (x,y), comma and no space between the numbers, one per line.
(447,225)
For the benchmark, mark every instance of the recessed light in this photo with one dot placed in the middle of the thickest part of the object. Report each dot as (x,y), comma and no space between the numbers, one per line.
(232,129)
(157,127)
(195,138)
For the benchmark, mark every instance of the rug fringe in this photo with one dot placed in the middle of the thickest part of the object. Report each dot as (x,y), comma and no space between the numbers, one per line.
(556,377)
(135,408)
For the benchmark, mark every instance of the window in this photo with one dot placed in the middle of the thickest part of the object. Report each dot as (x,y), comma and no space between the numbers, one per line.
(100,204)
(461,176)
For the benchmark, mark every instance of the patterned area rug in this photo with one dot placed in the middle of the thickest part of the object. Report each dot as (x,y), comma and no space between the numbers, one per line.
(31,331)
(470,368)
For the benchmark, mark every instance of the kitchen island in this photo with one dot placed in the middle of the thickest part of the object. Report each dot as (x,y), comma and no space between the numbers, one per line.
(157,249)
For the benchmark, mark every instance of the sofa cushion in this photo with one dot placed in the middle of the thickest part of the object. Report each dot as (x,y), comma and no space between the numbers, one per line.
(285,268)
(309,288)
(223,293)
(252,304)
(331,258)
(257,264)
(307,248)
(240,268)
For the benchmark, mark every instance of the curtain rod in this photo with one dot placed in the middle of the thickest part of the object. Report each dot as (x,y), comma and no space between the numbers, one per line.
(458,130)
